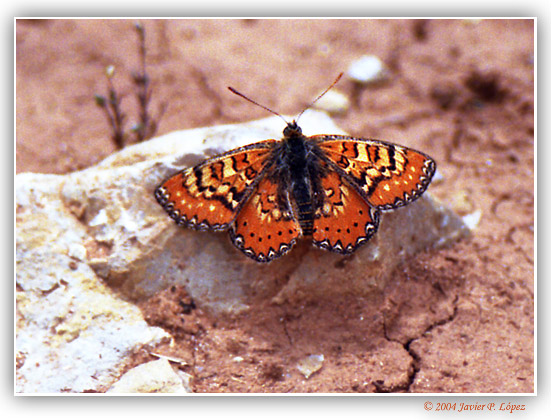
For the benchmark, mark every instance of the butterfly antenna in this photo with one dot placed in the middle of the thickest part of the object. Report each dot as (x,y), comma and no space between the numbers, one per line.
(319,96)
(256,103)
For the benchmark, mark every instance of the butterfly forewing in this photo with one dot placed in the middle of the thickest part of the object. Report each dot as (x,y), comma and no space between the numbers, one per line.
(209,195)
(389,175)
(345,220)
(265,227)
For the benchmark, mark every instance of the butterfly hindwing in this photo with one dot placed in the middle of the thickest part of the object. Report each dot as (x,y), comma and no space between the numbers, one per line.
(345,220)
(265,228)
(209,195)
(389,175)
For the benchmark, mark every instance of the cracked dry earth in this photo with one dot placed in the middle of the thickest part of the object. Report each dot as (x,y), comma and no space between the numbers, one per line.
(441,341)
(449,320)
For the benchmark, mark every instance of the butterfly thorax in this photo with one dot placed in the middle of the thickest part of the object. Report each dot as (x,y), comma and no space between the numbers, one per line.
(300,167)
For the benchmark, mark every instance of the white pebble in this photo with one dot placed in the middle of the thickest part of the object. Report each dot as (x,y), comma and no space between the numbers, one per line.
(310,364)
(333,102)
(77,251)
(472,220)
(367,69)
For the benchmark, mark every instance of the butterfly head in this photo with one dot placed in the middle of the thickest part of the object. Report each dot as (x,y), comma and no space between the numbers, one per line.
(292,130)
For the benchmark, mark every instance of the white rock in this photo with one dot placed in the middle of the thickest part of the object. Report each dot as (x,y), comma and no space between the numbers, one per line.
(367,69)
(73,331)
(333,102)
(473,219)
(152,377)
(310,364)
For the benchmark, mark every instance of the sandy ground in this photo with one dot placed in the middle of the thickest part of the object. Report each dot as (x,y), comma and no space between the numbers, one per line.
(453,320)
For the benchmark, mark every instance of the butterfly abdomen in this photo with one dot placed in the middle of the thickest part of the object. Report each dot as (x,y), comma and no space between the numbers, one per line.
(297,162)
(304,208)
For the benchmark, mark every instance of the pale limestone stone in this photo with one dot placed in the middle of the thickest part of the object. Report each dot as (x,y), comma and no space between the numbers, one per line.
(333,102)
(368,69)
(152,377)
(71,331)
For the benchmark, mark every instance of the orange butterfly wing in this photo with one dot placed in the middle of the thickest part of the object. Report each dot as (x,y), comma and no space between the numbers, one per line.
(388,175)
(265,228)
(345,220)
(209,195)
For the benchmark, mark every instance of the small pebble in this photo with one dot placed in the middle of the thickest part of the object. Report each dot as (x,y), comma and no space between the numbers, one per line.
(367,69)
(472,220)
(333,102)
(310,364)
(151,377)
(77,251)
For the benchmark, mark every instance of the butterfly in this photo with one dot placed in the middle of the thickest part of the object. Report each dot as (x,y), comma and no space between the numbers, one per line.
(330,188)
